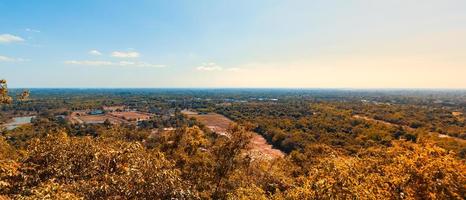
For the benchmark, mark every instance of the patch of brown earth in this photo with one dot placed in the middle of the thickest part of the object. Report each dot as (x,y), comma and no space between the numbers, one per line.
(219,124)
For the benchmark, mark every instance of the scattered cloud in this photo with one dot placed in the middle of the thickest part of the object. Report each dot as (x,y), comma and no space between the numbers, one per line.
(8,38)
(32,30)
(214,67)
(89,62)
(9,59)
(127,54)
(110,63)
(95,52)
(209,67)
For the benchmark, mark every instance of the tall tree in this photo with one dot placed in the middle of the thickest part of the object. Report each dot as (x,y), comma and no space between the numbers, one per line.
(4,98)
(229,154)
(24,95)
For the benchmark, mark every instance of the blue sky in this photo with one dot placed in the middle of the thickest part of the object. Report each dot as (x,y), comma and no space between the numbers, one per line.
(304,44)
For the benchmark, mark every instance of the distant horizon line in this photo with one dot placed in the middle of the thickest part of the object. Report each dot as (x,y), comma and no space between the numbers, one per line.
(288,88)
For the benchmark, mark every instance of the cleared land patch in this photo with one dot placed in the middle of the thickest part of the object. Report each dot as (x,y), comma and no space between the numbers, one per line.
(131,115)
(83,117)
(215,122)
(458,115)
(219,124)
(98,119)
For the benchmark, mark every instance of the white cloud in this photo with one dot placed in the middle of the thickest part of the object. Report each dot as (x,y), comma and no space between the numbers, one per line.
(214,67)
(8,38)
(110,63)
(128,54)
(209,67)
(139,64)
(95,52)
(89,62)
(9,59)
(32,30)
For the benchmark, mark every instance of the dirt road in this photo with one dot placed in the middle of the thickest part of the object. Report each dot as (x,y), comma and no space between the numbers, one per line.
(405,127)
(219,124)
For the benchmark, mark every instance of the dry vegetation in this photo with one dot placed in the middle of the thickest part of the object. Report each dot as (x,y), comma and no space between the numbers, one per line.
(332,150)
(220,124)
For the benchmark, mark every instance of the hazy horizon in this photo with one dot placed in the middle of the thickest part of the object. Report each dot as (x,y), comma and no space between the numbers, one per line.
(318,44)
(240,88)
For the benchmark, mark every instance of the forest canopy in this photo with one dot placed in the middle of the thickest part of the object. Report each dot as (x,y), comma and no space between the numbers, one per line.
(334,146)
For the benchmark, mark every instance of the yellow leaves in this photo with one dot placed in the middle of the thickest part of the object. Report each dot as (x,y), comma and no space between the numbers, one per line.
(96,168)
(24,95)
(49,191)
(405,169)
(8,168)
(4,98)
(6,151)
(249,193)
(62,166)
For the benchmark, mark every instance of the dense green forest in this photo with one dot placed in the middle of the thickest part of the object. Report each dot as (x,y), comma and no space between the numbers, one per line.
(338,144)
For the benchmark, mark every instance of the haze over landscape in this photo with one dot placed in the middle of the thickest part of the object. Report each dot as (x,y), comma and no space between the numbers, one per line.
(216,44)
(232,100)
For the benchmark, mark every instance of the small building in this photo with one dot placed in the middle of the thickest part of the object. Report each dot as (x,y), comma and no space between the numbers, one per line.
(96,112)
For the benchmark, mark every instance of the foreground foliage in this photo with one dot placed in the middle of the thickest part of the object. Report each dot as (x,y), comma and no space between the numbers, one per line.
(187,164)
(95,169)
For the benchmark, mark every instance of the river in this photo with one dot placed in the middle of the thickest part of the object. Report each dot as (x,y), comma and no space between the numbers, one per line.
(18,121)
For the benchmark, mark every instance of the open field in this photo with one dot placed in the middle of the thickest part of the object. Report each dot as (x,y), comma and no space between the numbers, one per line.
(215,122)
(219,124)
(131,115)
(97,119)
(80,117)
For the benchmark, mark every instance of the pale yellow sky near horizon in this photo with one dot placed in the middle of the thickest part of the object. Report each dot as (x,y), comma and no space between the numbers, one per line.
(242,43)
(432,60)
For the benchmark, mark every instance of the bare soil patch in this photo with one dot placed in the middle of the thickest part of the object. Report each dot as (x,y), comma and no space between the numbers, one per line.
(219,124)
(215,122)
(457,114)
(97,119)
(131,115)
